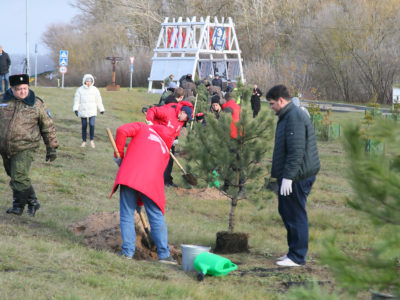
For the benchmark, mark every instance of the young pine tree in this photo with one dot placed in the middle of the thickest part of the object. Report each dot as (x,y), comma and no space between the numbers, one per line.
(375,179)
(237,161)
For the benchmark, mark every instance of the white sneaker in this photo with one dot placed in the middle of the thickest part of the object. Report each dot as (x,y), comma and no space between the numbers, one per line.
(83,145)
(282,257)
(92,144)
(287,262)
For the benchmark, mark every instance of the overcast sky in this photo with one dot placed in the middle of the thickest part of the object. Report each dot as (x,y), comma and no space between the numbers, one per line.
(41,13)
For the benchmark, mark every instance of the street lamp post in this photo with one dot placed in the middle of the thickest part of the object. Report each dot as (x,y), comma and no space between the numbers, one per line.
(36,54)
(132,59)
(28,69)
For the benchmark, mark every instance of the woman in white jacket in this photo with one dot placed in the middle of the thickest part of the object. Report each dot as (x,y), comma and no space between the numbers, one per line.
(86,102)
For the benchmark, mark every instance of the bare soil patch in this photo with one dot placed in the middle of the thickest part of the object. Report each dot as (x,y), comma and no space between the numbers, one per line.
(101,231)
(204,193)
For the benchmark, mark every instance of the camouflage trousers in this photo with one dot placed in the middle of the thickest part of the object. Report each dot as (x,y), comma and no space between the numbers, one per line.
(18,167)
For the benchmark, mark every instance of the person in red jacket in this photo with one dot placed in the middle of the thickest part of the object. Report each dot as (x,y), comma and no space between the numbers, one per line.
(232,107)
(173,115)
(140,178)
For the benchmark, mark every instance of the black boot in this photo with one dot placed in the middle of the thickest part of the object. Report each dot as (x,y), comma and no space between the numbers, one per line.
(19,201)
(33,204)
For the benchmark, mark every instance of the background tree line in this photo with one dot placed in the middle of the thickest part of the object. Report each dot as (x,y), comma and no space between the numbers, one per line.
(346,50)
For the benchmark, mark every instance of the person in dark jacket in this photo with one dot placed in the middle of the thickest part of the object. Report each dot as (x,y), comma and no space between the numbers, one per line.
(24,122)
(176,97)
(295,164)
(217,81)
(5,63)
(229,86)
(255,100)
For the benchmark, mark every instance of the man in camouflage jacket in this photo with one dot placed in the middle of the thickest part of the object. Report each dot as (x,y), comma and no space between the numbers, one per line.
(24,120)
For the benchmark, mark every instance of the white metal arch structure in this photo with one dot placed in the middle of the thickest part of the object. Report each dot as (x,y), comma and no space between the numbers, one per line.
(196,47)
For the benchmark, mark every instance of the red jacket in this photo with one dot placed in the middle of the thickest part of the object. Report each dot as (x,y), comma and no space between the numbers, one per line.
(235,116)
(167,115)
(145,159)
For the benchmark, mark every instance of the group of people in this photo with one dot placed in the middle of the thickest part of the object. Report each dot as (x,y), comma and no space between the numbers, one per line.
(25,120)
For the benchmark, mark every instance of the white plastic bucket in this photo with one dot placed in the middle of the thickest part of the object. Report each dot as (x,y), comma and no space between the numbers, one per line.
(189,253)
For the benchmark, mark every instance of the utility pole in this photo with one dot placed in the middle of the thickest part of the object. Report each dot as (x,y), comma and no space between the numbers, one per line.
(36,54)
(132,59)
(28,69)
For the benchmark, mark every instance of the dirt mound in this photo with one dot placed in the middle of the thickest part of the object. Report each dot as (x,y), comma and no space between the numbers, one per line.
(205,193)
(102,231)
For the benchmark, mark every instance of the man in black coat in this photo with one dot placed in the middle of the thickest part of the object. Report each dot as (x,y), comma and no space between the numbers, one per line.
(5,63)
(217,81)
(295,164)
(255,100)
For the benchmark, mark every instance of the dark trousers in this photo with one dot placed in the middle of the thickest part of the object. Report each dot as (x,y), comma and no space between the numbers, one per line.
(17,168)
(168,179)
(255,113)
(292,209)
(91,128)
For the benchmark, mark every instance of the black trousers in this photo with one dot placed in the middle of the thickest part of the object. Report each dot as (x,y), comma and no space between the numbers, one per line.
(168,179)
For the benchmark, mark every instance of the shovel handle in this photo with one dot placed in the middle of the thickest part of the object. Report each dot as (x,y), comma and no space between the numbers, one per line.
(146,229)
(110,136)
(177,162)
(194,112)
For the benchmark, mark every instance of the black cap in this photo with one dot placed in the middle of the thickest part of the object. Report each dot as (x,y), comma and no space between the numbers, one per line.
(215,99)
(18,79)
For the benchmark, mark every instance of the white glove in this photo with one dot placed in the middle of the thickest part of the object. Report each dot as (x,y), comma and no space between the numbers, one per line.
(149,122)
(175,143)
(117,161)
(286,187)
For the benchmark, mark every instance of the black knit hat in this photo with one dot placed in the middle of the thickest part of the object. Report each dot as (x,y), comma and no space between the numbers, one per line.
(215,99)
(18,79)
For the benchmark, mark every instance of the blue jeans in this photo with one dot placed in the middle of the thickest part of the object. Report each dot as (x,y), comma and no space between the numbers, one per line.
(5,78)
(127,206)
(91,128)
(292,209)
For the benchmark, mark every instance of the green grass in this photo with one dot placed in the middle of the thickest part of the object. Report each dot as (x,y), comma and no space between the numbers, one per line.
(41,259)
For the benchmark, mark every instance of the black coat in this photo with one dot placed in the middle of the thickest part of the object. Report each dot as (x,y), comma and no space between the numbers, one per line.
(5,63)
(217,82)
(295,152)
(255,99)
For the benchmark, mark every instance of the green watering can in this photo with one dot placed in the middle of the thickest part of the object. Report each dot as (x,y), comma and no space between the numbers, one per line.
(211,264)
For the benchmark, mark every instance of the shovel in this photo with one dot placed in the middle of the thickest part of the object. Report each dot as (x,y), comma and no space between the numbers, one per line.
(149,239)
(189,177)
(194,112)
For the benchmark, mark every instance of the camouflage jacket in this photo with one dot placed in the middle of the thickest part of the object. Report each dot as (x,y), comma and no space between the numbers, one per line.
(23,123)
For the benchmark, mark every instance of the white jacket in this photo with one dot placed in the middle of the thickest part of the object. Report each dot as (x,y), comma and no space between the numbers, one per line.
(87,99)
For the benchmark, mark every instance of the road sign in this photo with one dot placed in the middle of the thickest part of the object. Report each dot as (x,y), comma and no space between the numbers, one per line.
(63,58)
(64,54)
(132,59)
(63,62)
(63,69)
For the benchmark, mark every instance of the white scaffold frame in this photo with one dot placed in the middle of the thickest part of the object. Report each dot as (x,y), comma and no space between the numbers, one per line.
(196,47)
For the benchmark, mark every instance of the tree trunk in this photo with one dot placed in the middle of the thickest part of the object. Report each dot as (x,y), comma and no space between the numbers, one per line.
(234,204)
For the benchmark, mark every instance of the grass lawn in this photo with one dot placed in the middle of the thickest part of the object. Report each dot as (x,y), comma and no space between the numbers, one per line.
(41,259)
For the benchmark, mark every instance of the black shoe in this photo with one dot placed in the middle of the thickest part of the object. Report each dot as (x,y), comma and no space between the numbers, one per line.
(33,204)
(169,260)
(32,209)
(19,201)
(16,210)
